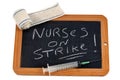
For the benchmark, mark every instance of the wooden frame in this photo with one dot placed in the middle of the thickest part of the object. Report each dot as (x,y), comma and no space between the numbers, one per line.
(69,72)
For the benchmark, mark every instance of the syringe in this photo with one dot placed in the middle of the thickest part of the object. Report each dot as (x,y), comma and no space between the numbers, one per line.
(68,65)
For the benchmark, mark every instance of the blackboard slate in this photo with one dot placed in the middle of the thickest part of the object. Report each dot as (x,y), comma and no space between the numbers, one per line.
(33,45)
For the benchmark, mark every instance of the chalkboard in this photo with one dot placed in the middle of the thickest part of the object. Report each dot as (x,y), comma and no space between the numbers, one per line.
(66,39)
(57,42)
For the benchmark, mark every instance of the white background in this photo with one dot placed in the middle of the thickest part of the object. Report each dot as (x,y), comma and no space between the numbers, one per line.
(109,8)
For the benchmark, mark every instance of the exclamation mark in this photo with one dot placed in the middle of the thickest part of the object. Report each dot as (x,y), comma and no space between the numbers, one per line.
(95,43)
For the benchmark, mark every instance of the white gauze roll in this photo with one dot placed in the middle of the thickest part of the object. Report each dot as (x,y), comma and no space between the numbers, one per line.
(25,21)
(22,19)
(46,15)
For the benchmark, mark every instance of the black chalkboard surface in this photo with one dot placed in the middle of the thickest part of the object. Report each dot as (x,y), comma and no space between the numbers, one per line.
(57,42)
(67,39)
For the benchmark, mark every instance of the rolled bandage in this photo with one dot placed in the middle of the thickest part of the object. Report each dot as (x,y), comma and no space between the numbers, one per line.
(22,19)
(25,21)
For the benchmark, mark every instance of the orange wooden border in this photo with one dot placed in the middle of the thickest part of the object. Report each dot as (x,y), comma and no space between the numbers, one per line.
(69,72)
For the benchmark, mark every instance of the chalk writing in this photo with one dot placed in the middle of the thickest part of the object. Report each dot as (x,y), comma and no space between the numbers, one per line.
(95,43)
(95,51)
(83,47)
(74,48)
(74,57)
(48,33)
(36,32)
(37,53)
(85,31)
(57,32)
(64,42)
(72,33)
(56,47)
(59,50)
(71,55)
(94,40)
(65,33)
(57,42)
(52,44)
